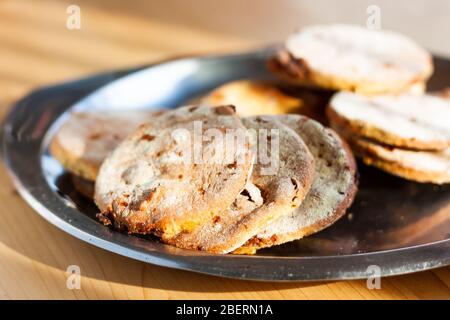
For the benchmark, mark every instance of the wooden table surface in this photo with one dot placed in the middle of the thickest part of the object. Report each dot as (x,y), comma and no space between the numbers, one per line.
(37,49)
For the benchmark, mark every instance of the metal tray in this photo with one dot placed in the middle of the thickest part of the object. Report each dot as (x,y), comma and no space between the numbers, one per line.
(398,225)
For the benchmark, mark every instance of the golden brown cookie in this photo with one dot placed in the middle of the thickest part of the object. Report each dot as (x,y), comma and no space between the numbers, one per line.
(85,139)
(332,192)
(253,98)
(408,121)
(173,174)
(276,187)
(353,58)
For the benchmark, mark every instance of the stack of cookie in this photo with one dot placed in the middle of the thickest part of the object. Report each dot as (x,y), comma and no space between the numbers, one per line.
(219,199)
(405,135)
(380,106)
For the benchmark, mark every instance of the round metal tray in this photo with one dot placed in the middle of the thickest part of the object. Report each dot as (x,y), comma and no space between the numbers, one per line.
(398,225)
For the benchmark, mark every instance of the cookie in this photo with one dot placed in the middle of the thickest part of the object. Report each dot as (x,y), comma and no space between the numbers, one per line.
(85,139)
(276,188)
(407,121)
(332,191)
(353,58)
(419,166)
(173,174)
(253,98)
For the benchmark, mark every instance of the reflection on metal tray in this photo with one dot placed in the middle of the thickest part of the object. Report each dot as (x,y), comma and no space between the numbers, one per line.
(400,226)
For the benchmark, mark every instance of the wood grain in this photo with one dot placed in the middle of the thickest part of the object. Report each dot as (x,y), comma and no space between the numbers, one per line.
(36,49)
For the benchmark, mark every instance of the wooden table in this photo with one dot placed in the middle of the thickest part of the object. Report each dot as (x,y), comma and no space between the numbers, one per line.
(37,49)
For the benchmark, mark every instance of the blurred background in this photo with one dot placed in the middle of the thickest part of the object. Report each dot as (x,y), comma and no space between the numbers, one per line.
(36,47)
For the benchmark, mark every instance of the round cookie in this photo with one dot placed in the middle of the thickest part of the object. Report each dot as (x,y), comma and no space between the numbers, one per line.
(408,121)
(332,191)
(276,188)
(354,58)
(420,166)
(175,173)
(253,98)
(85,139)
